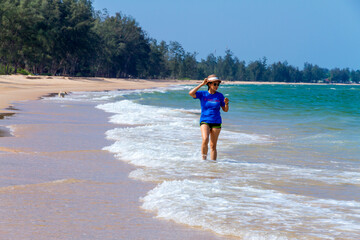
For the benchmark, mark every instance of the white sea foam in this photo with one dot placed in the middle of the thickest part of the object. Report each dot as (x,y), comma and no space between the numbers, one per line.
(232,208)
(12,129)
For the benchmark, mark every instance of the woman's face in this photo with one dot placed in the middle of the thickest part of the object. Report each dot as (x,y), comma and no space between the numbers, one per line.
(214,85)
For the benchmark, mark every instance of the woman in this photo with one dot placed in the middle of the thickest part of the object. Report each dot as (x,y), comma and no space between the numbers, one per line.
(210,120)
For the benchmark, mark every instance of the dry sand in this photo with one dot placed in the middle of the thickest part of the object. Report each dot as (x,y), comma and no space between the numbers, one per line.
(20,87)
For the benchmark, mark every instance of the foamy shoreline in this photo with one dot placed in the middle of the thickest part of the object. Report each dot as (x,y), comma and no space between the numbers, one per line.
(58,183)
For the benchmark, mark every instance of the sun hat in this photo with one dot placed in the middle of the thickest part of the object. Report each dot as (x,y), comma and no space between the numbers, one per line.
(214,79)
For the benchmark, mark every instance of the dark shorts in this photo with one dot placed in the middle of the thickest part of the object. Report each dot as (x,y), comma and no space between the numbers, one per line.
(212,125)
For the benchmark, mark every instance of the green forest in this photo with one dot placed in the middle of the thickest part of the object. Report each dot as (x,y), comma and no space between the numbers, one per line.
(70,37)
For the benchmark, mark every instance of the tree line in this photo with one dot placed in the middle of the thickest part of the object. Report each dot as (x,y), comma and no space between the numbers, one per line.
(70,37)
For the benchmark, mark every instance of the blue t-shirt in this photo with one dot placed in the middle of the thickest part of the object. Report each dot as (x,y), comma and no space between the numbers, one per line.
(210,106)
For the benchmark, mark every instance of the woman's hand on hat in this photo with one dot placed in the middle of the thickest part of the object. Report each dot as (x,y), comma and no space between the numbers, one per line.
(204,82)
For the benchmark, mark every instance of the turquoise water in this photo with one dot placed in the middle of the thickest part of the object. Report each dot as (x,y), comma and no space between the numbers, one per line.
(308,119)
(288,158)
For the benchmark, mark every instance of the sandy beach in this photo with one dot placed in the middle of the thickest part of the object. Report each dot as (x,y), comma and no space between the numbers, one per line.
(56,181)
(20,87)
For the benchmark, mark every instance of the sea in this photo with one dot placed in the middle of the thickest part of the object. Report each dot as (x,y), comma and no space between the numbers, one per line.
(288,162)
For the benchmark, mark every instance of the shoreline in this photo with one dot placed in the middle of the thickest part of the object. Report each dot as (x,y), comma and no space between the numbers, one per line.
(14,88)
(21,87)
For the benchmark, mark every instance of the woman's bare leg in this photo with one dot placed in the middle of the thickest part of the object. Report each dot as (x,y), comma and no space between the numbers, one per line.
(214,135)
(205,132)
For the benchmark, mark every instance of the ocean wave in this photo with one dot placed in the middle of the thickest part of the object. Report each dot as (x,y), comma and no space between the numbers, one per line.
(250,212)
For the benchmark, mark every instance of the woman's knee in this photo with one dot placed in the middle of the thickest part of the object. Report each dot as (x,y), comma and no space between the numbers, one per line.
(213,146)
(205,140)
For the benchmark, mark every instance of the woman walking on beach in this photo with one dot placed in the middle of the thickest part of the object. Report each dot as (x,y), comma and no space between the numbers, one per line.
(210,120)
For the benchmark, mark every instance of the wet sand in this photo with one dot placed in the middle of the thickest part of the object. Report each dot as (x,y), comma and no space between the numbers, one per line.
(57,183)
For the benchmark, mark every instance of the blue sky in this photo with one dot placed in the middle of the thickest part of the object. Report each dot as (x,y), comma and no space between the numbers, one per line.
(322,32)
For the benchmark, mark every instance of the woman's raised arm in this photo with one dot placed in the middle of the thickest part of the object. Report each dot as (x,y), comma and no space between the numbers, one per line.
(195,89)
